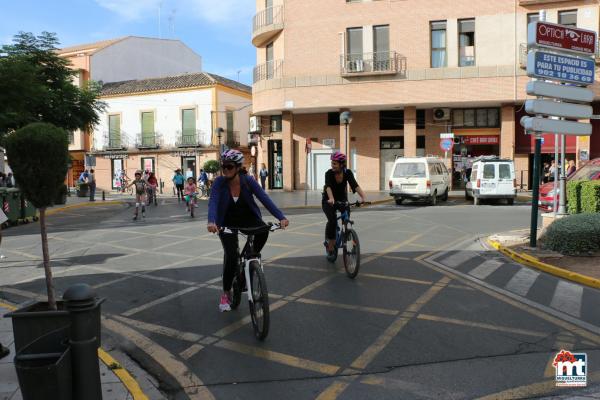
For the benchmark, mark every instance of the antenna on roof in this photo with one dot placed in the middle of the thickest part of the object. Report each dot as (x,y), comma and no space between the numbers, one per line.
(159,27)
(172,23)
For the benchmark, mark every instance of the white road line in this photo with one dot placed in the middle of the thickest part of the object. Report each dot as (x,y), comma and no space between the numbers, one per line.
(567,298)
(522,281)
(485,269)
(458,258)
(161,300)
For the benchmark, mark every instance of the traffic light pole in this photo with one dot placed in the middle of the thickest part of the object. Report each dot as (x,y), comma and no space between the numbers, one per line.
(536,190)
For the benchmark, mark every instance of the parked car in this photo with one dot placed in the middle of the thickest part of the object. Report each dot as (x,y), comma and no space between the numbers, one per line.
(419,178)
(589,171)
(492,178)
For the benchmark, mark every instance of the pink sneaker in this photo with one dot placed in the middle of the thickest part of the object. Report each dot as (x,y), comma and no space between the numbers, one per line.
(224,305)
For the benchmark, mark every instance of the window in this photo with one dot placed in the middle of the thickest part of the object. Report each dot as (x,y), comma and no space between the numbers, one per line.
(114,131)
(433,170)
(229,126)
(148,129)
(333,118)
(391,142)
(480,118)
(466,42)
(532,17)
(269,58)
(269,12)
(420,119)
(410,169)
(71,136)
(568,18)
(276,124)
(489,171)
(188,126)
(381,48)
(354,49)
(390,120)
(504,171)
(438,44)
(421,142)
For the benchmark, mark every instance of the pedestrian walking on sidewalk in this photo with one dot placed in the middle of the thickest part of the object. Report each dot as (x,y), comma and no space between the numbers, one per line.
(91,179)
(3,219)
(4,351)
(264,173)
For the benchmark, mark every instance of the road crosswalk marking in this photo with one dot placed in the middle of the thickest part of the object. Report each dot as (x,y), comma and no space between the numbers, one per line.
(485,269)
(459,258)
(522,281)
(567,298)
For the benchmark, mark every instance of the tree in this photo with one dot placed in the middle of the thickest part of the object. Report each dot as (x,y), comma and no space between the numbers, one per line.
(211,166)
(39,155)
(36,85)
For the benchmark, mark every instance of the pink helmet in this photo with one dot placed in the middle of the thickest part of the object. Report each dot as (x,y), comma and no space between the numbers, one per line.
(339,157)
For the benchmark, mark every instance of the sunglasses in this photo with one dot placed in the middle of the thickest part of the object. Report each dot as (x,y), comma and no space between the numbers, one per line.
(228,167)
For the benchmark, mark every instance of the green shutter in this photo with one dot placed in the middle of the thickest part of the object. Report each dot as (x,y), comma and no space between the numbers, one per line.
(114,130)
(229,126)
(148,128)
(189,122)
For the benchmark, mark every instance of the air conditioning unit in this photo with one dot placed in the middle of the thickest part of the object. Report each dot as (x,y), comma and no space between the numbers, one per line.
(355,66)
(441,114)
(255,124)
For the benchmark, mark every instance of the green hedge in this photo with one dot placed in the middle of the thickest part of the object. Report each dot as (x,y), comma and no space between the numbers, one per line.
(574,197)
(574,235)
(590,197)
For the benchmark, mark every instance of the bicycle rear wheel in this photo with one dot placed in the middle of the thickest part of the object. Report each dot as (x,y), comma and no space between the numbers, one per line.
(351,249)
(259,308)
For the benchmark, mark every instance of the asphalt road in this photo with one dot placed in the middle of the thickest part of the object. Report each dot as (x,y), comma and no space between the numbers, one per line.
(432,314)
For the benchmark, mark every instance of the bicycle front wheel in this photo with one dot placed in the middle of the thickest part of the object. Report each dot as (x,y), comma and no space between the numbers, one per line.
(259,307)
(351,248)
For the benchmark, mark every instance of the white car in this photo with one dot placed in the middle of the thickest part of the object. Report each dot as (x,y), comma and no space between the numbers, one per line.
(492,178)
(419,178)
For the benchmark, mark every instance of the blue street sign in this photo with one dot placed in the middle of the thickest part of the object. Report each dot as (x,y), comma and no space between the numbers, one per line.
(563,68)
(446,144)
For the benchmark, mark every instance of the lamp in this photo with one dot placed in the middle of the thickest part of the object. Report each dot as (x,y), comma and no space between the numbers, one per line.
(346,119)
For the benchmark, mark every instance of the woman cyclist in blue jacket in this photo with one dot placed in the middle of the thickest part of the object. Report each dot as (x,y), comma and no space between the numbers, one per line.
(232,204)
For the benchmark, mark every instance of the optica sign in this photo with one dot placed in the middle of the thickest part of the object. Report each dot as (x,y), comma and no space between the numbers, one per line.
(562,37)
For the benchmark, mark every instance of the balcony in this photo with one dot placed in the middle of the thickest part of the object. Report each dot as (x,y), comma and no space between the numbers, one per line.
(232,139)
(268,70)
(115,141)
(266,24)
(147,140)
(193,139)
(380,63)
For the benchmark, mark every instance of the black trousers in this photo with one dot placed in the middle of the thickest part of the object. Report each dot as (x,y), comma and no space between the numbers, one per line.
(231,256)
(331,215)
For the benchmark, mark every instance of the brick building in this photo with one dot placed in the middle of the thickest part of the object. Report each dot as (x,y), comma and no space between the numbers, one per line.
(408,71)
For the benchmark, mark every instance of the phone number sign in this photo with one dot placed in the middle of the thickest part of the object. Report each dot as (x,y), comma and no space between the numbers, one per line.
(541,64)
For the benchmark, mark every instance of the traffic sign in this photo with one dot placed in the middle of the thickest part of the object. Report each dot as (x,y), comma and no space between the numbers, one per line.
(554,108)
(560,37)
(546,125)
(546,65)
(558,91)
(446,144)
(446,135)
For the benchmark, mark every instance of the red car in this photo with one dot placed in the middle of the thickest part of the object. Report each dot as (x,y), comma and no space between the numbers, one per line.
(589,171)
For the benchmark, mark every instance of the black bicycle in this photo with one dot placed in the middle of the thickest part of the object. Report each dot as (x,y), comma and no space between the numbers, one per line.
(250,269)
(346,239)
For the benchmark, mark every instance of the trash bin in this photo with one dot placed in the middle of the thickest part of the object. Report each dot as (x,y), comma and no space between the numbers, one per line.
(12,205)
(44,368)
(28,210)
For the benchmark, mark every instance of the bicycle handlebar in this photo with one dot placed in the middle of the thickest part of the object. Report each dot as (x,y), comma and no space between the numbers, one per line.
(355,204)
(271,227)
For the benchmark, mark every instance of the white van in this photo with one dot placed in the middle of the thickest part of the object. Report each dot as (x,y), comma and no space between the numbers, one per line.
(419,178)
(492,178)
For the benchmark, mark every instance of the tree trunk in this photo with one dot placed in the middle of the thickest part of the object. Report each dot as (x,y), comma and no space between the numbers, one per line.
(47,270)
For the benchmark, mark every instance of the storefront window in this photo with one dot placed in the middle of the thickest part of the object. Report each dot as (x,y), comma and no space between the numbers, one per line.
(479,117)
(469,118)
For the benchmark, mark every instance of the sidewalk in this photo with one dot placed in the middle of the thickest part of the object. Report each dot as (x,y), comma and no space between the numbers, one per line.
(112,386)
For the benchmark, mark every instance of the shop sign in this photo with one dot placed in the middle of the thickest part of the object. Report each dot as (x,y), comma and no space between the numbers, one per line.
(184,153)
(477,140)
(560,37)
(115,156)
(560,67)
(329,143)
(446,135)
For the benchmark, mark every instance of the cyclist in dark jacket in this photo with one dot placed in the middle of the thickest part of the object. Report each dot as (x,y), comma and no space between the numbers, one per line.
(232,204)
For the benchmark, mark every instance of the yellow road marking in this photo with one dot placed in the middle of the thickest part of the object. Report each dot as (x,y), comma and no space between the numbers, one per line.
(81,205)
(427,317)
(246,320)
(349,307)
(313,286)
(124,376)
(333,391)
(160,300)
(7,306)
(396,246)
(564,341)
(280,358)
(159,329)
(187,380)
(191,351)
(398,279)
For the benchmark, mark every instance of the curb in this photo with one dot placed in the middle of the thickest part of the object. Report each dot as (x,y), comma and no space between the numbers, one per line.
(124,376)
(82,205)
(534,262)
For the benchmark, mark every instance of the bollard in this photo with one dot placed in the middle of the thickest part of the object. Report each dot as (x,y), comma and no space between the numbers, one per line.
(103,195)
(84,312)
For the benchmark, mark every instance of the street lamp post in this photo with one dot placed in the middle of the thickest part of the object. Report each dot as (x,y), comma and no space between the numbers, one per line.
(346,119)
(219,132)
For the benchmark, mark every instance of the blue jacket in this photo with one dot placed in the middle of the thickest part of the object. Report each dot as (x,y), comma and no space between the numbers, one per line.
(219,199)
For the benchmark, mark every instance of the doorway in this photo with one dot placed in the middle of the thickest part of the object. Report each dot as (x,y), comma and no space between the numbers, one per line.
(188,163)
(321,162)
(275,164)
(390,148)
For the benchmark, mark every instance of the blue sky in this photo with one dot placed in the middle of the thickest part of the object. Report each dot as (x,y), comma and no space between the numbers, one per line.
(218,30)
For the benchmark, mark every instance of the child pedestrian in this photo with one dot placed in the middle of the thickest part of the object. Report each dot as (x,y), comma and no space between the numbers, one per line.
(190,193)
(140,194)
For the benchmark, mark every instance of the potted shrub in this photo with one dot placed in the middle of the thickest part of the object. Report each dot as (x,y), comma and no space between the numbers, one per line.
(38,155)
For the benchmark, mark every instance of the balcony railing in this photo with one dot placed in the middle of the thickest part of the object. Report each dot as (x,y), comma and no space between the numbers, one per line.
(268,70)
(266,24)
(193,139)
(147,140)
(380,63)
(232,139)
(115,141)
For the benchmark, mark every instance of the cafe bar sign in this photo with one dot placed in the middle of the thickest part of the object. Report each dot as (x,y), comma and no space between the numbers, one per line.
(565,38)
